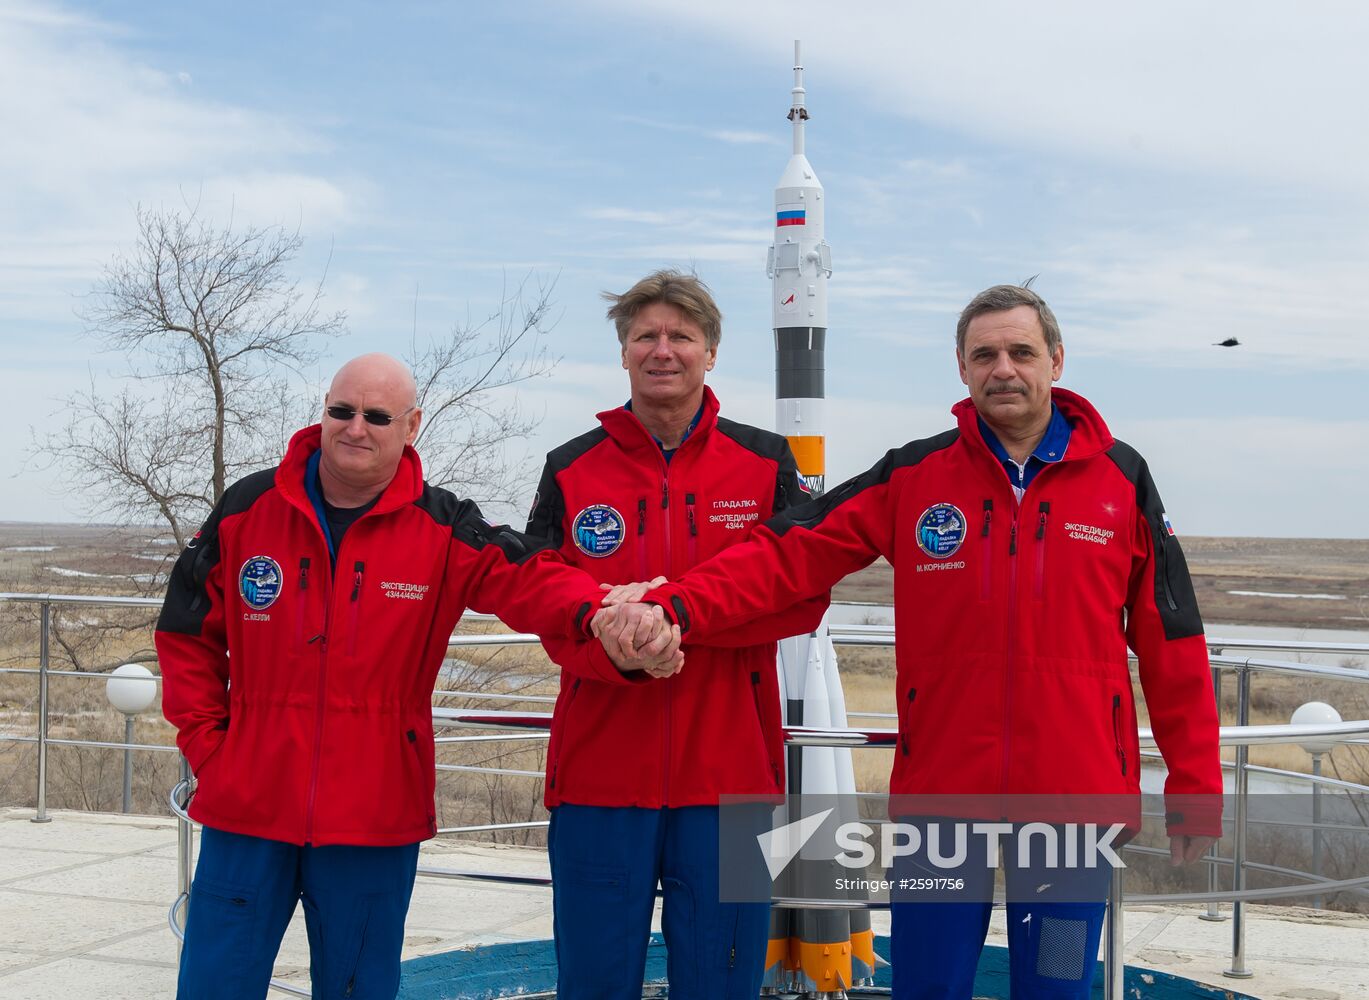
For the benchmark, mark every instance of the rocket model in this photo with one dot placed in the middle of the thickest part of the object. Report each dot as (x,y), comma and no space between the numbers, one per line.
(813,952)
(799,264)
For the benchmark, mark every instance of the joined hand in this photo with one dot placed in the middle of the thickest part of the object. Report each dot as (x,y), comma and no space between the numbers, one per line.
(638,637)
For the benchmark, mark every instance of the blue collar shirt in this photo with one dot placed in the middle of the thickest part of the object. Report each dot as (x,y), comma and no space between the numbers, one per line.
(1048,451)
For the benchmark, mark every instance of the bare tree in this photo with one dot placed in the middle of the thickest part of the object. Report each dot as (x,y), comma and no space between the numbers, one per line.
(467,389)
(214,328)
(217,334)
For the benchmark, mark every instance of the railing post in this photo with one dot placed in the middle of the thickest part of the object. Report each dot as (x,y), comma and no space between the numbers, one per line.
(1114,965)
(45,619)
(1318,900)
(128,764)
(185,856)
(1238,969)
(1214,909)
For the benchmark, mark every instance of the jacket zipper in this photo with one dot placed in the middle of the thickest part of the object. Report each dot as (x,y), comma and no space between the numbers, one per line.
(1117,732)
(986,581)
(358,569)
(907,722)
(322,691)
(1012,645)
(1043,510)
(565,721)
(760,717)
(669,681)
(1162,567)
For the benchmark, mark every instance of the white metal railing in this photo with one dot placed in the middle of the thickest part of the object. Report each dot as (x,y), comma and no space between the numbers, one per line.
(532,727)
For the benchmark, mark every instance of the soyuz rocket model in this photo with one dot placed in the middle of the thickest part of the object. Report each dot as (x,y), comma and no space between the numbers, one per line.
(814,952)
(799,264)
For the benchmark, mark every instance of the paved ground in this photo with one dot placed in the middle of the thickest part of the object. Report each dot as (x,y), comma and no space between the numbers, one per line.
(84,899)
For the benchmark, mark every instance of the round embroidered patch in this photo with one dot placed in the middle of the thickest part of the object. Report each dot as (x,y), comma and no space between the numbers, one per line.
(941,530)
(259,582)
(598,530)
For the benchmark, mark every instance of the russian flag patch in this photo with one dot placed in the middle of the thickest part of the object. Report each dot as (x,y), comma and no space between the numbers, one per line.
(791,215)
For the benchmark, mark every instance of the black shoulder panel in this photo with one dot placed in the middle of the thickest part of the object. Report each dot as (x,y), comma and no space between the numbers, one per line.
(549,505)
(562,456)
(814,511)
(187,601)
(1174,596)
(765,443)
(468,525)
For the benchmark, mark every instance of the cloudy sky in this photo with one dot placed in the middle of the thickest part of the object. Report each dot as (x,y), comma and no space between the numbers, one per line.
(1175,175)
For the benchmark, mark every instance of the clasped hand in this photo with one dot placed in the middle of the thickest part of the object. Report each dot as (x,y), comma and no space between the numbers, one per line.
(637,636)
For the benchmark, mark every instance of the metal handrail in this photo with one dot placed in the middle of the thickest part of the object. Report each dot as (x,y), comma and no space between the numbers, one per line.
(1241,736)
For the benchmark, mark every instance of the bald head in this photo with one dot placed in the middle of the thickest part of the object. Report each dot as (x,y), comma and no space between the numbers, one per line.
(361,448)
(378,370)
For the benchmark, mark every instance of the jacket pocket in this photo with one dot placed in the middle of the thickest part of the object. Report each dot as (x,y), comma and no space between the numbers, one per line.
(986,554)
(905,722)
(765,733)
(354,616)
(642,561)
(1042,513)
(419,781)
(1117,733)
(692,543)
(301,601)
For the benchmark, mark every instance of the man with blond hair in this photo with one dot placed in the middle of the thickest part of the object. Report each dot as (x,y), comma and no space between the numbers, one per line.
(639,759)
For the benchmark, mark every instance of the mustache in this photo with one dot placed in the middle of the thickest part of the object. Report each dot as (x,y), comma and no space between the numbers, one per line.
(997,388)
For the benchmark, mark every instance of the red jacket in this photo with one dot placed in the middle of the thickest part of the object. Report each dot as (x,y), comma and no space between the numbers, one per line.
(303,699)
(1013,620)
(614,507)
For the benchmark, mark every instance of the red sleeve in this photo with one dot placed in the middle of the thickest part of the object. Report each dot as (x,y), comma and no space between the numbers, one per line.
(588,659)
(1165,631)
(192,648)
(791,558)
(798,619)
(527,584)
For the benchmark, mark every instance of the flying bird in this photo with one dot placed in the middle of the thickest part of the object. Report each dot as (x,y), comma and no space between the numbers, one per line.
(1228,342)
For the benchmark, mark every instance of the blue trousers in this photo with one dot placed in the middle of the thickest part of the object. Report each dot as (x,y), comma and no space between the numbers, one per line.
(244,893)
(605,864)
(1055,919)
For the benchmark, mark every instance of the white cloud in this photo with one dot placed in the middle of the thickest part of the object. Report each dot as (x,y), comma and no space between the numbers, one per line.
(1256,89)
(742,138)
(91,132)
(1168,297)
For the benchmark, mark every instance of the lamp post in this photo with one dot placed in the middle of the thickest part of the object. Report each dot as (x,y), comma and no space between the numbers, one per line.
(131,689)
(1316,713)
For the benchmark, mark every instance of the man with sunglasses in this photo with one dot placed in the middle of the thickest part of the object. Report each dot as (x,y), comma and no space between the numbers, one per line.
(302,633)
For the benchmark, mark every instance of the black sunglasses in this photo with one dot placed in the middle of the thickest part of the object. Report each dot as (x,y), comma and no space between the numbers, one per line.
(377,417)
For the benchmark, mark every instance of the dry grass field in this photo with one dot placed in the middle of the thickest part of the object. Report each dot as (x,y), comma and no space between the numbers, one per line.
(90,640)
(1239,581)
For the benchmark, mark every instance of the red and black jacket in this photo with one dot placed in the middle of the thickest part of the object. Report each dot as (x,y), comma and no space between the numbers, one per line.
(303,697)
(1013,620)
(714,728)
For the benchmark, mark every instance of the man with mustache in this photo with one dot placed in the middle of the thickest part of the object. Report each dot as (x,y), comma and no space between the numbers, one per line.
(1030,548)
